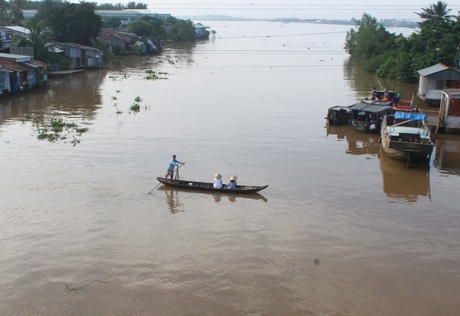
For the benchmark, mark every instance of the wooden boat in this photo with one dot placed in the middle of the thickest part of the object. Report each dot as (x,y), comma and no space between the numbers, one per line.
(367,116)
(217,194)
(207,186)
(338,115)
(405,136)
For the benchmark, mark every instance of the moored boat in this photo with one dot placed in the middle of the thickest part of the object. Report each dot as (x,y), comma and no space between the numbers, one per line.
(405,136)
(367,116)
(208,186)
(338,115)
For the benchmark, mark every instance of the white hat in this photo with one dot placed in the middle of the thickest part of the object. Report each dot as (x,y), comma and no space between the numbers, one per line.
(233,178)
(217,176)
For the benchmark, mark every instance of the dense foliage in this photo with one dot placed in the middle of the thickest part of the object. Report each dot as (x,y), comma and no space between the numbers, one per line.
(181,30)
(397,57)
(71,22)
(121,6)
(11,12)
(140,27)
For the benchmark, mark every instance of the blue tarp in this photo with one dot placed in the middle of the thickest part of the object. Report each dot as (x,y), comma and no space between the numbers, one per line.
(410,116)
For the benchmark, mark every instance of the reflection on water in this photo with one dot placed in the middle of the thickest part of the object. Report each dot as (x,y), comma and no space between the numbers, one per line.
(400,182)
(77,215)
(175,205)
(362,81)
(448,155)
(359,143)
(62,110)
(172,199)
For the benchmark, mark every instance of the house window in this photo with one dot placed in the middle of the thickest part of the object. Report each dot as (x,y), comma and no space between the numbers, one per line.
(9,35)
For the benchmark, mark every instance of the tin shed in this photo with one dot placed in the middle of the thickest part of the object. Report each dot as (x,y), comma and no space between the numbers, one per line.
(434,79)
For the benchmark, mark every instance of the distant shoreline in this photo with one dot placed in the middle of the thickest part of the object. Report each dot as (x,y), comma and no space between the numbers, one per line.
(385,22)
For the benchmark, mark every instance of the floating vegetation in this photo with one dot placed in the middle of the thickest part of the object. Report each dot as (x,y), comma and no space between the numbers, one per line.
(135,107)
(152,75)
(118,77)
(114,98)
(57,129)
(168,58)
(138,99)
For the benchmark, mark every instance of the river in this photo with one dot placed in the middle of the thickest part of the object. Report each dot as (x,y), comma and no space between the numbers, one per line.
(341,229)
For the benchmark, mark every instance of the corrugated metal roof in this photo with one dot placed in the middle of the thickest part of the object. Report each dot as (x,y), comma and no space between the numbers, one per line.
(374,108)
(432,69)
(81,46)
(17,58)
(11,65)
(440,72)
(19,29)
(39,63)
(5,70)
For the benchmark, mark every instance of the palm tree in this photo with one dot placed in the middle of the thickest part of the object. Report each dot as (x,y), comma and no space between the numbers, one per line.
(4,7)
(38,39)
(435,13)
(16,15)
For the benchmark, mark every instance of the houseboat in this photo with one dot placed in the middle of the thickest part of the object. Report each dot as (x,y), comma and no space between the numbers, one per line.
(405,136)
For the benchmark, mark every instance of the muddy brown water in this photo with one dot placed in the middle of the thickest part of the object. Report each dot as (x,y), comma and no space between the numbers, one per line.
(341,229)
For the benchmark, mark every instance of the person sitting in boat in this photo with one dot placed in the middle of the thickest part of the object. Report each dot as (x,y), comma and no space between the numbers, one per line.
(395,99)
(217,182)
(172,164)
(386,95)
(232,184)
(374,94)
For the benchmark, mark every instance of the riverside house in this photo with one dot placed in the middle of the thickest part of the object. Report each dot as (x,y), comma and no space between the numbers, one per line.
(20,72)
(81,56)
(434,79)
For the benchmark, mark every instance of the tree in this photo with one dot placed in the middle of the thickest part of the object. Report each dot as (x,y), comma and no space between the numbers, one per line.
(159,31)
(38,39)
(141,27)
(369,40)
(112,22)
(72,22)
(110,6)
(436,13)
(133,5)
(16,15)
(4,8)
(182,30)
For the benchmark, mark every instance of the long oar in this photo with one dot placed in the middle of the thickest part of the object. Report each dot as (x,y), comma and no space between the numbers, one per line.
(154,188)
(177,168)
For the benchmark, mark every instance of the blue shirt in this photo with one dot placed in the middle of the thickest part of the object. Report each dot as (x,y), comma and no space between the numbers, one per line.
(231,185)
(173,163)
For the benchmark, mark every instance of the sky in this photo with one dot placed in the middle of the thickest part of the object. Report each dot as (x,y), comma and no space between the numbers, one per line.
(302,9)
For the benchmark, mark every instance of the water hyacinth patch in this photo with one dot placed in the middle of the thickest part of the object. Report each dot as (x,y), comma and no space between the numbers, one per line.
(56,129)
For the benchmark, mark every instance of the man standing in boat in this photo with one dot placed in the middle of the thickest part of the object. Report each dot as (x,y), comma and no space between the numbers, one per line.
(172,164)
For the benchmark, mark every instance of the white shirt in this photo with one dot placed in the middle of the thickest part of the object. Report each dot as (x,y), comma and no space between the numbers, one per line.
(217,183)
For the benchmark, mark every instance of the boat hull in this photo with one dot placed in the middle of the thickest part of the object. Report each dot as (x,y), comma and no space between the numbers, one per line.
(405,142)
(208,186)
(406,151)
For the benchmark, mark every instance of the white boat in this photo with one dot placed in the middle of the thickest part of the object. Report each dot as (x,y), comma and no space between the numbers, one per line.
(405,136)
